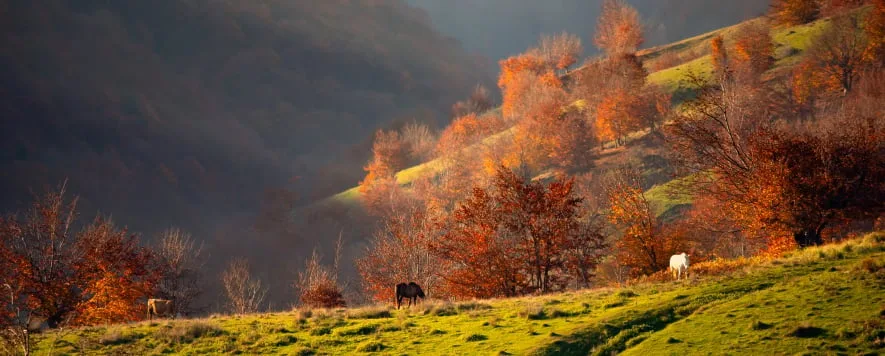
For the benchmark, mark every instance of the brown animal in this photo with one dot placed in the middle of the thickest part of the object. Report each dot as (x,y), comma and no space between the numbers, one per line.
(159,307)
(410,291)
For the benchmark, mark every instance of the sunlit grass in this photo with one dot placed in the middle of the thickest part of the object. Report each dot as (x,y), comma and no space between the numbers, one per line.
(757,306)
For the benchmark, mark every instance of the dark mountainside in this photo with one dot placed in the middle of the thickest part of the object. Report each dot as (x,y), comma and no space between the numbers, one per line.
(201,113)
(499,28)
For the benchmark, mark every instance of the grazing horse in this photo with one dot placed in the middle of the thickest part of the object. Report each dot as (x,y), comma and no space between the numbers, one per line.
(159,307)
(679,265)
(412,291)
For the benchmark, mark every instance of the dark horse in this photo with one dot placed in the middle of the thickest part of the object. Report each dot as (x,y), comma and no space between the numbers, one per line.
(411,291)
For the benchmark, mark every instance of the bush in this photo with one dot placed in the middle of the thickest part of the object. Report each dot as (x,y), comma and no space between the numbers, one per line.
(320,330)
(359,330)
(806,331)
(445,309)
(476,337)
(758,325)
(303,351)
(323,295)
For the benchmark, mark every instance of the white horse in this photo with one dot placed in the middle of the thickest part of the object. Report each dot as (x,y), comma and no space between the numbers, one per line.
(679,265)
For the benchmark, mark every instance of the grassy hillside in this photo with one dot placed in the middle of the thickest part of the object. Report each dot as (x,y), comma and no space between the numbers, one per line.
(820,300)
(790,42)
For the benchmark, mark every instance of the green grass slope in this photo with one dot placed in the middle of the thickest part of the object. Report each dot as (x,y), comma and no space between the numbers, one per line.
(821,300)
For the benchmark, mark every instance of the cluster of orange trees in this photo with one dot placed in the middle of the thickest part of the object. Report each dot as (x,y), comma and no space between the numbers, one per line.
(773,159)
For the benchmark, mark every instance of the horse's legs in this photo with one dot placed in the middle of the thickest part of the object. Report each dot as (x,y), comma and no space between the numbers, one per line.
(399,301)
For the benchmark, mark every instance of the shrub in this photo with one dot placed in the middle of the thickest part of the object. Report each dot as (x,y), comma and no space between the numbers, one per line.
(303,351)
(476,337)
(359,330)
(806,331)
(445,309)
(758,325)
(321,330)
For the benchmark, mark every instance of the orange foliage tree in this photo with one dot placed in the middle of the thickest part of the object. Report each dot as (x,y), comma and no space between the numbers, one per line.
(813,179)
(388,156)
(512,238)
(115,275)
(719,55)
(795,12)
(97,275)
(645,246)
(553,132)
(618,30)
(753,51)
(838,53)
(617,115)
(518,75)
(875,32)
(466,130)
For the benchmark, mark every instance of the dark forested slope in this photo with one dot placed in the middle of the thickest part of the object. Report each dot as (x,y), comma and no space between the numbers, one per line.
(178,111)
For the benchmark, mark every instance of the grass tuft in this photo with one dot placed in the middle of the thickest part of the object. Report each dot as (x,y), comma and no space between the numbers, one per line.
(476,337)
(187,332)
(806,331)
(375,312)
(371,346)
(359,330)
(758,325)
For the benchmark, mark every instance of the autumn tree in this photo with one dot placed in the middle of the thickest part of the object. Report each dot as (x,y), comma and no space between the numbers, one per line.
(244,292)
(837,7)
(317,285)
(795,12)
(465,131)
(116,275)
(483,260)
(98,274)
(560,51)
(15,313)
(753,50)
(479,102)
(420,141)
(618,30)
(388,157)
(42,247)
(719,55)
(511,238)
(400,251)
(814,178)
(520,76)
(644,246)
(553,132)
(181,262)
(874,28)
(838,53)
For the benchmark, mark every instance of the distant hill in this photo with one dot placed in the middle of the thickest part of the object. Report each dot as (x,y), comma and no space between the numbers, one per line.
(500,28)
(185,111)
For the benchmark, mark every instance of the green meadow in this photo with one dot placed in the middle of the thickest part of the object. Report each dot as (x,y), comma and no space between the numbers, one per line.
(823,300)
